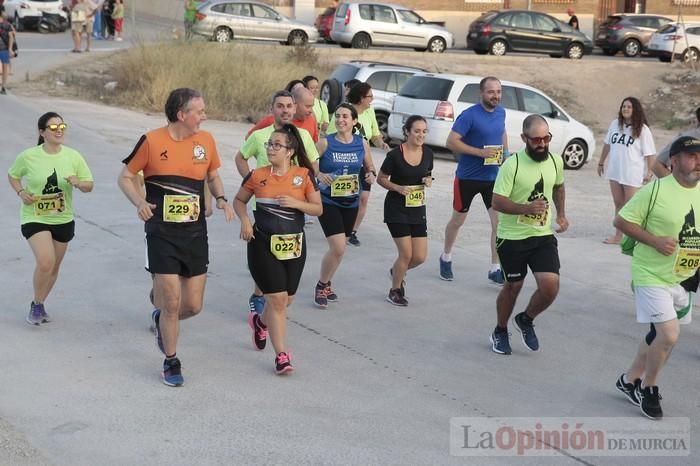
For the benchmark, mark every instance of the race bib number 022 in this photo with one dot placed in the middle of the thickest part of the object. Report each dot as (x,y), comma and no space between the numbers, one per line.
(180,208)
(285,247)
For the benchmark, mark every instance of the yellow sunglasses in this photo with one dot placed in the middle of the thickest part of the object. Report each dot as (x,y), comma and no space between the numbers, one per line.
(56,127)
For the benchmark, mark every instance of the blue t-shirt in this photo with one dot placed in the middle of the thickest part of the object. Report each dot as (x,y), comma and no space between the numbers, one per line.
(479,128)
(344,160)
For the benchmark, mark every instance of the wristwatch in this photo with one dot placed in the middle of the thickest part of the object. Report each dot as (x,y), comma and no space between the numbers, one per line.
(222,197)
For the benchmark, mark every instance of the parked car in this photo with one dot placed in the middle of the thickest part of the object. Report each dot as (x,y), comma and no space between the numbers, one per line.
(386,80)
(324,23)
(501,31)
(681,39)
(224,20)
(363,24)
(27,13)
(440,98)
(628,32)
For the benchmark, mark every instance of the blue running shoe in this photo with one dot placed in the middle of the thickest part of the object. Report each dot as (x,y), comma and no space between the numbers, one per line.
(446,270)
(527,332)
(35,314)
(172,373)
(155,319)
(256,304)
(497,277)
(500,342)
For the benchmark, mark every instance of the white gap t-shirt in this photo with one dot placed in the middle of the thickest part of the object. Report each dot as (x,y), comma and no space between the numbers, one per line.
(627,153)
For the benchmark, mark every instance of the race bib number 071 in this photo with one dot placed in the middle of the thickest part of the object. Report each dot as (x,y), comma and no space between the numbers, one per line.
(49,204)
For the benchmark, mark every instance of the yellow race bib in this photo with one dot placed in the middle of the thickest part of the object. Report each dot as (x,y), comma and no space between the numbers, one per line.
(534,220)
(416,198)
(49,204)
(180,208)
(496,159)
(345,185)
(687,261)
(285,247)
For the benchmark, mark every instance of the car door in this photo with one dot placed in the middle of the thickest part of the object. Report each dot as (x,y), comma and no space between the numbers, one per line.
(534,102)
(551,39)
(411,28)
(265,24)
(237,16)
(386,27)
(521,34)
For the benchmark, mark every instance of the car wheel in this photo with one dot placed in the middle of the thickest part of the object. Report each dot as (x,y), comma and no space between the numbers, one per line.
(223,35)
(331,93)
(609,52)
(575,154)
(691,55)
(383,123)
(361,41)
(19,27)
(632,48)
(437,45)
(498,48)
(297,38)
(575,51)
(481,52)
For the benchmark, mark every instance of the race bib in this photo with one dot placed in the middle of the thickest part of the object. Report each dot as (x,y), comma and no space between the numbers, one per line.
(49,204)
(78,16)
(285,247)
(496,159)
(687,261)
(534,220)
(345,185)
(416,198)
(180,208)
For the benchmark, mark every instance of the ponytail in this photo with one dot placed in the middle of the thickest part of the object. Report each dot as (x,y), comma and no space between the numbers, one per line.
(296,144)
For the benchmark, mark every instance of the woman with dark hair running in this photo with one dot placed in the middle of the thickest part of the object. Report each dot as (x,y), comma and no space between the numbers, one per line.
(50,171)
(284,192)
(320,108)
(630,145)
(406,172)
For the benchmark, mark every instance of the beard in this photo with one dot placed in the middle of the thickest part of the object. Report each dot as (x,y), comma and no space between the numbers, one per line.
(539,153)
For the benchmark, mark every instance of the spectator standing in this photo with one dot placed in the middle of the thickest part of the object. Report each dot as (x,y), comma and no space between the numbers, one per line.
(573,19)
(118,17)
(7,39)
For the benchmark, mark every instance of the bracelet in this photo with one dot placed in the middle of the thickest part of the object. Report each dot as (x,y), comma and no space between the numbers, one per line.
(222,197)
(19,193)
(373,173)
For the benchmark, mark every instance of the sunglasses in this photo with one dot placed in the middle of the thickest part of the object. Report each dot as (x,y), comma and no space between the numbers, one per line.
(56,127)
(540,140)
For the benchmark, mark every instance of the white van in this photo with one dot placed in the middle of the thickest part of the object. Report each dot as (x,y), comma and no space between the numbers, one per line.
(440,98)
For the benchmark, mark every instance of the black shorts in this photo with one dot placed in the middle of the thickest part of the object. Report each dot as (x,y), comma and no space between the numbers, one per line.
(465,190)
(365,185)
(183,256)
(336,220)
(62,233)
(540,253)
(271,274)
(414,230)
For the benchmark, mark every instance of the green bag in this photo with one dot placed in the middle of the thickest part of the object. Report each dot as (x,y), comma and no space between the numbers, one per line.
(628,244)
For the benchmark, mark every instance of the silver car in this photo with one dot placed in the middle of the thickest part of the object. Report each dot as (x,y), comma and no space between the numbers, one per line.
(361,24)
(224,20)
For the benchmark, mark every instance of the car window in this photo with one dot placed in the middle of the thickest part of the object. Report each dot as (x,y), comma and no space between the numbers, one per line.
(427,87)
(543,23)
(522,20)
(263,12)
(409,16)
(220,8)
(397,81)
(669,28)
(535,103)
(694,31)
(240,9)
(366,12)
(340,12)
(384,14)
(503,20)
(509,98)
(379,80)
(470,94)
(344,72)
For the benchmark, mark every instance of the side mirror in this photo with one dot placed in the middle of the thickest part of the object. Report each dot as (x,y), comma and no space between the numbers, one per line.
(421,21)
(554,114)
(278,18)
(556,29)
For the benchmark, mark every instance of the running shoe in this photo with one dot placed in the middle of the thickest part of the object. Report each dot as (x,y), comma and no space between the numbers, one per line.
(527,332)
(403,282)
(396,298)
(352,239)
(628,389)
(320,297)
(330,294)
(500,343)
(283,364)
(45,318)
(256,303)
(172,373)
(497,277)
(35,316)
(446,270)
(155,320)
(259,331)
(649,402)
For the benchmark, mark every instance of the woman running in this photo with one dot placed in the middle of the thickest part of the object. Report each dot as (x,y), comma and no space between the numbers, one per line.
(344,154)
(284,192)
(406,172)
(44,177)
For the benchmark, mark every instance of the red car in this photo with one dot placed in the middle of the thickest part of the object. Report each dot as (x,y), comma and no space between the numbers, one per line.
(324,23)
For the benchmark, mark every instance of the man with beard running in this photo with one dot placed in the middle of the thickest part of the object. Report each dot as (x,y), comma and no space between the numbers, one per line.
(527,184)
(479,137)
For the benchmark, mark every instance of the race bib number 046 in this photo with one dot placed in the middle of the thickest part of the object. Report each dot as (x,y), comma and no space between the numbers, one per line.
(180,208)
(416,198)
(345,185)
(687,261)
(285,247)
(49,204)
(497,158)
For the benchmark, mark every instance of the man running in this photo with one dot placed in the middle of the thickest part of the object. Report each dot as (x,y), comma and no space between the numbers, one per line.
(303,116)
(661,217)
(527,184)
(479,137)
(176,161)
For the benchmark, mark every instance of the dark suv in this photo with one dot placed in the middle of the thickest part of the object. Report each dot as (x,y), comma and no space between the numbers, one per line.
(502,31)
(627,32)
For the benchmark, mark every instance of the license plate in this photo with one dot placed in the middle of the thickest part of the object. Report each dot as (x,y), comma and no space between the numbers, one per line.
(472,34)
(601,36)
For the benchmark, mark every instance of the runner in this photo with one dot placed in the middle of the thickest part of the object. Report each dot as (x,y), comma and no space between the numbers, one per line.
(360,96)
(661,218)
(662,164)
(527,184)
(50,171)
(285,191)
(343,156)
(176,161)
(303,116)
(406,172)
(283,109)
(320,108)
(479,137)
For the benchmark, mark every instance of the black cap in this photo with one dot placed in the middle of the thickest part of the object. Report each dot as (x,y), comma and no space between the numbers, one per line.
(684,144)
